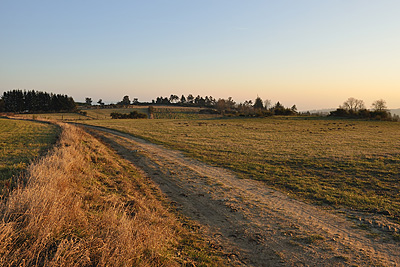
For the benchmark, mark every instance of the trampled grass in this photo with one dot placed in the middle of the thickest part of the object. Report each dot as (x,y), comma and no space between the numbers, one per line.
(355,164)
(21,142)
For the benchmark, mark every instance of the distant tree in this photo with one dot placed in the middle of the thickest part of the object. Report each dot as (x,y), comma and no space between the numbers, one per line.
(245,108)
(88,101)
(248,103)
(210,101)
(279,109)
(267,103)
(165,101)
(221,105)
(379,105)
(199,101)
(173,98)
(100,102)
(230,103)
(278,105)
(225,105)
(2,105)
(183,99)
(353,105)
(135,101)
(190,99)
(258,103)
(125,101)
(294,109)
(207,101)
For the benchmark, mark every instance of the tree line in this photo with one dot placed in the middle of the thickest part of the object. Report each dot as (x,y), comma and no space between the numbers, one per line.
(258,108)
(35,101)
(248,108)
(355,108)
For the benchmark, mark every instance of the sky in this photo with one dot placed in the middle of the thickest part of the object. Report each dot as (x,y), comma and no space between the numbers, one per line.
(311,53)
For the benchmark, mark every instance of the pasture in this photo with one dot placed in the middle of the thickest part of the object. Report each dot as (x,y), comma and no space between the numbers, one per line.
(21,142)
(335,163)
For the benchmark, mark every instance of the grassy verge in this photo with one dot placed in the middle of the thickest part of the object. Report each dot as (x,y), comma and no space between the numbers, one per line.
(355,164)
(20,143)
(85,206)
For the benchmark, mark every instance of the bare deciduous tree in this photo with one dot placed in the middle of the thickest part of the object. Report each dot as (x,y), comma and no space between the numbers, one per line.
(267,103)
(379,105)
(353,104)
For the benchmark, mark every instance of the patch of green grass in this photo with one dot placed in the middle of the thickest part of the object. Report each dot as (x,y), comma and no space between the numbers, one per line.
(346,163)
(21,142)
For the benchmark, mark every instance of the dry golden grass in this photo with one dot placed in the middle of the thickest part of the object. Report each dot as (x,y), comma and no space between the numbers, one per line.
(84,206)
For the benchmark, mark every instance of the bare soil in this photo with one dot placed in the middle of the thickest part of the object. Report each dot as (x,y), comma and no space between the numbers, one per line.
(255,225)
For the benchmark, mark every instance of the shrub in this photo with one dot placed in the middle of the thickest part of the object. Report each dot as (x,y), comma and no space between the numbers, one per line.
(133,115)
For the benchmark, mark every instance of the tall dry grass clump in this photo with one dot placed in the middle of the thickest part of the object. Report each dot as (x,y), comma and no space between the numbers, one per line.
(83,206)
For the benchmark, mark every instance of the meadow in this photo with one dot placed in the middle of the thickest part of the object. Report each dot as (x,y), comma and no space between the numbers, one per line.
(20,143)
(83,205)
(331,162)
(105,112)
(185,113)
(158,112)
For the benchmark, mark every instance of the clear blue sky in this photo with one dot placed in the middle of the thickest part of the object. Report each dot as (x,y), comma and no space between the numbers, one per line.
(311,53)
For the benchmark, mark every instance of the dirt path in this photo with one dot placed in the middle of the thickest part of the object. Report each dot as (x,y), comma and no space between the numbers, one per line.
(255,225)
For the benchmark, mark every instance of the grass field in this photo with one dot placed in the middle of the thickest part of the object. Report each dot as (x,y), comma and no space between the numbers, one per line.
(355,164)
(159,112)
(21,142)
(185,113)
(83,205)
(105,113)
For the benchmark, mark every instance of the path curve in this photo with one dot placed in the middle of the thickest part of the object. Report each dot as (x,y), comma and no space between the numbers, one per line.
(253,224)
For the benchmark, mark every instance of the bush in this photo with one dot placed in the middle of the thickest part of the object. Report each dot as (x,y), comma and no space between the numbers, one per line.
(133,115)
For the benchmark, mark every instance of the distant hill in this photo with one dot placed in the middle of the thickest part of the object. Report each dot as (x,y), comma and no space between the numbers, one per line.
(395,111)
(325,111)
